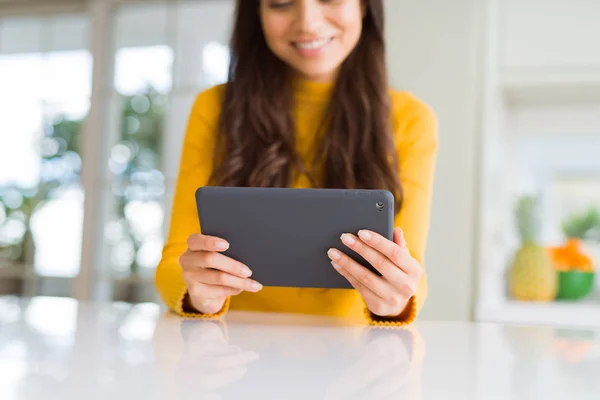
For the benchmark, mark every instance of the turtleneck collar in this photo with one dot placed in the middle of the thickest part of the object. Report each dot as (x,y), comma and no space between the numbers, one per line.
(316,91)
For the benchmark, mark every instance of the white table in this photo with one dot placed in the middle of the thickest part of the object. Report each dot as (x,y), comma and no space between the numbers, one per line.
(53,348)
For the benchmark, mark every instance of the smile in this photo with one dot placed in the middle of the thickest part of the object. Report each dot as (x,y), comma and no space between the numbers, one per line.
(312,45)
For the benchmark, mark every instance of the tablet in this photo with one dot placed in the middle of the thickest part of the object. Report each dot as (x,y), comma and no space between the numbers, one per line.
(283,234)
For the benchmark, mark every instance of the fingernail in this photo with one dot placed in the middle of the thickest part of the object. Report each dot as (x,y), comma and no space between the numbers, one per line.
(222,245)
(246,271)
(364,235)
(348,239)
(335,265)
(334,254)
(256,286)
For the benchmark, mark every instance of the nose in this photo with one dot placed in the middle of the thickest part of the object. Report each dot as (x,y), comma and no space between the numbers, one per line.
(310,15)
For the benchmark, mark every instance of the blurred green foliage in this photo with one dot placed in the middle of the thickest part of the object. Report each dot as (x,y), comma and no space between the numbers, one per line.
(137,175)
(584,225)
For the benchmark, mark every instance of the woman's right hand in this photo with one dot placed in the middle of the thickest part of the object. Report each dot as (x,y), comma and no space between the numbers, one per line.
(211,276)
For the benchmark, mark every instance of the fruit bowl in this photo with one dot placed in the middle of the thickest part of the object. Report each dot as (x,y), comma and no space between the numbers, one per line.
(575,268)
(574,284)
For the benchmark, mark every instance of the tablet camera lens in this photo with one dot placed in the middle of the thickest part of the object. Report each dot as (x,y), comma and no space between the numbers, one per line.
(379,205)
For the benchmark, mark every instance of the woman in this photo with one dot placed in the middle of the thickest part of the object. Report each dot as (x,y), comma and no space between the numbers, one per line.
(307,104)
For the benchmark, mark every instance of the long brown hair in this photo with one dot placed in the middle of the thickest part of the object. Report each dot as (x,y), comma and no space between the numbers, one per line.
(256,140)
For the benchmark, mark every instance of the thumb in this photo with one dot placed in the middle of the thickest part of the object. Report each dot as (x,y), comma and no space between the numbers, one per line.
(399,237)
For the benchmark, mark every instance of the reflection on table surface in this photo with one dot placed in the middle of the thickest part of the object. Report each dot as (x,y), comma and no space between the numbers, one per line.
(54,348)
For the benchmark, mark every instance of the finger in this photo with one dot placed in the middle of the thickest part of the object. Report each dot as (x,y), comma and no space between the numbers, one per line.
(192,260)
(204,294)
(368,295)
(380,262)
(397,254)
(197,242)
(214,277)
(399,237)
(361,274)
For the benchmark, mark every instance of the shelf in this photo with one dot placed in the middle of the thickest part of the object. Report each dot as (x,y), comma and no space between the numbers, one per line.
(561,314)
(551,84)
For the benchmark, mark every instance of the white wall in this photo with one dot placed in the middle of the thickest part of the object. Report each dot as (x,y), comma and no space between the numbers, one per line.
(433,50)
(551,33)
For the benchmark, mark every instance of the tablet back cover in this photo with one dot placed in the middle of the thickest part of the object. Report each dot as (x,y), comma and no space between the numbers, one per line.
(283,235)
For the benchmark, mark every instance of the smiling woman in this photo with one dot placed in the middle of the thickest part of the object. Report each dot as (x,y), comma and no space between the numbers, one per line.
(306,104)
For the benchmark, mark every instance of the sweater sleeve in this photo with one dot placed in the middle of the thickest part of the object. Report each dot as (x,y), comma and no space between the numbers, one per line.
(417,144)
(195,168)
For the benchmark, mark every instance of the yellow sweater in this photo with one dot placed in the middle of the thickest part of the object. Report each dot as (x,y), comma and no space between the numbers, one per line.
(415,133)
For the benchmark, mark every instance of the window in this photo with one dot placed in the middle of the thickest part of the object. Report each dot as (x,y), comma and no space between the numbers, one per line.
(161,55)
(45,75)
(176,51)
(134,231)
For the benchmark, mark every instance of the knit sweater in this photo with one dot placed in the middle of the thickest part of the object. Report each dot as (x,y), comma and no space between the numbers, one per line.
(414,128)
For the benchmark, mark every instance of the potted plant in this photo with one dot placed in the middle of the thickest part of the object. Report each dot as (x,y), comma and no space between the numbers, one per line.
(575,265)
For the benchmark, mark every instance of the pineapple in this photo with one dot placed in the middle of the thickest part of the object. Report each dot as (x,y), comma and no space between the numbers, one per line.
(531,276)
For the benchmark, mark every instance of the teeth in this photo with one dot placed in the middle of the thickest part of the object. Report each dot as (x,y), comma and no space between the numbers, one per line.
(315,44)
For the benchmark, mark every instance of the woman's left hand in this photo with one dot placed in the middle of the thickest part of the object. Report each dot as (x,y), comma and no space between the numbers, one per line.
(386,295)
